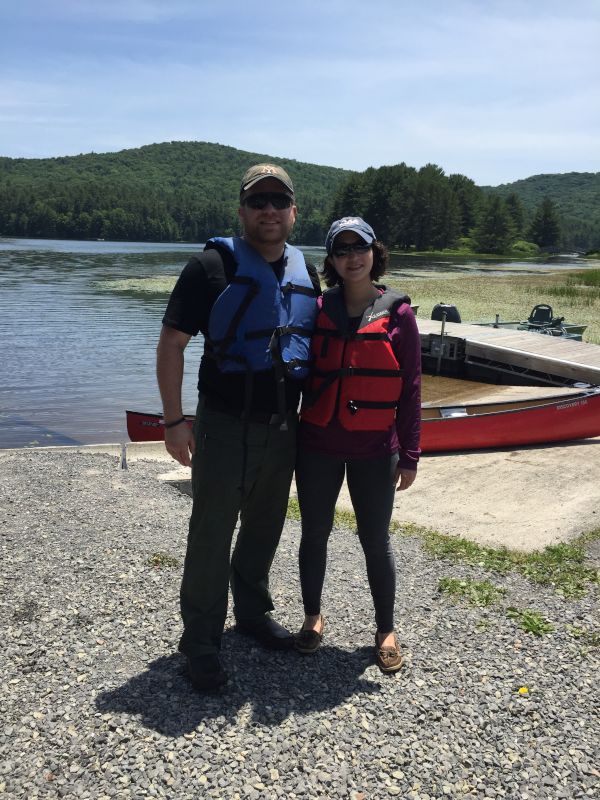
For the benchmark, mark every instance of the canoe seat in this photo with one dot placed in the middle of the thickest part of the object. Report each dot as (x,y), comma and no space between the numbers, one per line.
(540,315)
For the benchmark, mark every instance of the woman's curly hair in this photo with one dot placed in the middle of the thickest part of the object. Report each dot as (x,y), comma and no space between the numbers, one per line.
(380,261)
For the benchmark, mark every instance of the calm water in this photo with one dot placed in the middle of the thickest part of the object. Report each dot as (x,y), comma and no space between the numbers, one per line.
(74,355)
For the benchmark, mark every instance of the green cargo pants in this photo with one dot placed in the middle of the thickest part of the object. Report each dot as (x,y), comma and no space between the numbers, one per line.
(218,501)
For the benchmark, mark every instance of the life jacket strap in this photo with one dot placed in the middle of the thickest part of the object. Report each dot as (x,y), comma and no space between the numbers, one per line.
(212,351)
(236,318)
(331,376)
(354,405)
(283,330)
(310,398)
(243,279)
(338,334)
(293,287)
(298,362)
(266,333)
(367,372)
(279,369)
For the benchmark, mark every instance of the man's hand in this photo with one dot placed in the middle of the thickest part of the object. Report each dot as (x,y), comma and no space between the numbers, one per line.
(179,440)
(180,443)
(404,478)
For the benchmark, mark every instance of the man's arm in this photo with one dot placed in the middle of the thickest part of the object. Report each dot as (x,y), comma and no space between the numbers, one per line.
(179,440)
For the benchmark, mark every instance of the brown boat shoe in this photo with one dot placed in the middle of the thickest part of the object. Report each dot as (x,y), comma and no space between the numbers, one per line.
(308,641)
(389,659)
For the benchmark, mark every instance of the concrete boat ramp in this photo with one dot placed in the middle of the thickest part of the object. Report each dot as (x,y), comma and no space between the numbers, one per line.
(523,499)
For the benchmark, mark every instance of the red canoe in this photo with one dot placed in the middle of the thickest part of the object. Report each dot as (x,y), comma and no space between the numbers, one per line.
(142,427)
(504,423)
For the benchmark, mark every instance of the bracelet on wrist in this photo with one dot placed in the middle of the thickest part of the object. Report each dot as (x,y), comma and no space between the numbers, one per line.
(173,424)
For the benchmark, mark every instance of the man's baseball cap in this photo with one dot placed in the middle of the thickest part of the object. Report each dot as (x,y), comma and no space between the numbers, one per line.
(354,224)
(261,171)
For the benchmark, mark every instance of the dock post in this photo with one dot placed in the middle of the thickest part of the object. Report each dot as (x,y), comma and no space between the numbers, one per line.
(441,353)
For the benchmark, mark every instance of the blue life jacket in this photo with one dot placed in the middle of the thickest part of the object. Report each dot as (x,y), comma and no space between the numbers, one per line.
(258,323)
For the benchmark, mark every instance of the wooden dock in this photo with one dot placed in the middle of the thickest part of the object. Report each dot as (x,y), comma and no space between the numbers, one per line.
(520,354)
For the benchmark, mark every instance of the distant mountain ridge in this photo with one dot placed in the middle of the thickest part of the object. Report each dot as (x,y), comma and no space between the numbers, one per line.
(576,195)
(168,191)
(188,191)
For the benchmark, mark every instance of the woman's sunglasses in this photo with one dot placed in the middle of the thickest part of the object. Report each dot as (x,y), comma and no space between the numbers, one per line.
(261,200)
(345,249)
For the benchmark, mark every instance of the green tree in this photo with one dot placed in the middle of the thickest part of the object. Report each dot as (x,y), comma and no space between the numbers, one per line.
(517,212)
(545,226)
(469,198)
(435,218)
(495,230)
(350,198)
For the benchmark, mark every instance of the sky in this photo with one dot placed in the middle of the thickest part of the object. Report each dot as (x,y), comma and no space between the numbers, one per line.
(497,91)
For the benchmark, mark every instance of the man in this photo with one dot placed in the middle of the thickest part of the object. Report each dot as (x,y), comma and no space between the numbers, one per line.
(254,300)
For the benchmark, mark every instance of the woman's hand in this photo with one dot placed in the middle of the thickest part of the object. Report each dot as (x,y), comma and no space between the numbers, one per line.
(404,478)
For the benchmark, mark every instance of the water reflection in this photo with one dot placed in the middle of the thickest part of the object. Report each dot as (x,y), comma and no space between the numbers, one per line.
(74,357)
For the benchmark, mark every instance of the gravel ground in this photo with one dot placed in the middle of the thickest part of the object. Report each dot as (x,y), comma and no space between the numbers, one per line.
(95,703)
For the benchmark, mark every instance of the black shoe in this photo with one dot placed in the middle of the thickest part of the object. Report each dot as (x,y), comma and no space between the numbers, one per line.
(307,641)
(267,632)
(206,673)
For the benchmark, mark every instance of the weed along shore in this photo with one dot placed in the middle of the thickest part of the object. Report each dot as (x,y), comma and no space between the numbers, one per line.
(496,699)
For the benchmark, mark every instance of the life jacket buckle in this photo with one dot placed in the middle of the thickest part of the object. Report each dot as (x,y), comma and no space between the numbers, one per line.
(352,407)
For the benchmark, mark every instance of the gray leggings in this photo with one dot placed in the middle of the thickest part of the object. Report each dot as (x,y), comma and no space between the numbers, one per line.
(319,479)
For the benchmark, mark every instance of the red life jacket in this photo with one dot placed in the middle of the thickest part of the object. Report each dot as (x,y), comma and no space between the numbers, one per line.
(356,376)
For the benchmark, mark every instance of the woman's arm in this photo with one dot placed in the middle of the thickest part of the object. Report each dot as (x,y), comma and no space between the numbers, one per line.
(406,342)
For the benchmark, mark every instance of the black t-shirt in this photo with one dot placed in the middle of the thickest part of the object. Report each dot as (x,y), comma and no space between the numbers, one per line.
(202,280)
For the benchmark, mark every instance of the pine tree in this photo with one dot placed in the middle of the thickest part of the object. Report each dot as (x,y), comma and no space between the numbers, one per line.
(545,227)
(495,231)
(517,213)
(469,198)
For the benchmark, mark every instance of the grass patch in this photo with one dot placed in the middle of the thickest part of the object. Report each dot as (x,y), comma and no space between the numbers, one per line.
(530,621)
(163,285)
(293,510)
(561,566)
(579,287)
(585,636)
(589,277)
(476,593)
(162,561)
(470,255)
(512,295)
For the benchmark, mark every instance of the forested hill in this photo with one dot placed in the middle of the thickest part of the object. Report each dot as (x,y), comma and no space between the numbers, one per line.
(161,192)
(188,191)
(576,196)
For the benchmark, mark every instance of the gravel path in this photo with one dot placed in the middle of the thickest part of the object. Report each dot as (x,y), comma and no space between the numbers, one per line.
(94,702)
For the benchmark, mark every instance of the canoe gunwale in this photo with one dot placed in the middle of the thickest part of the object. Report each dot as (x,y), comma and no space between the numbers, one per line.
(506,423)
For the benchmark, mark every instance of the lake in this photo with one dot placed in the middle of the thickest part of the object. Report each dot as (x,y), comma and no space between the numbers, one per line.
(74,354)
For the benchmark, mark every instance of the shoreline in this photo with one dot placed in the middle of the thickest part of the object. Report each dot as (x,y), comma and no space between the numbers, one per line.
(523,499)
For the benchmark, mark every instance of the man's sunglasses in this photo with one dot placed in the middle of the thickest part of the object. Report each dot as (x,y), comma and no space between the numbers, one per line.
(345,249)
(261,200)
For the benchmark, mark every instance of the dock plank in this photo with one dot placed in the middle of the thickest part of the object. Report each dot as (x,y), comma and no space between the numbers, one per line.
(566,358)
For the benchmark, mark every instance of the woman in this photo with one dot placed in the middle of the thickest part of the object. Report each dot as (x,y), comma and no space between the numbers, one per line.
(360,417)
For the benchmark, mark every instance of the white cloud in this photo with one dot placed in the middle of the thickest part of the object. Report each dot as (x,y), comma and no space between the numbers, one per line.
(488,90)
